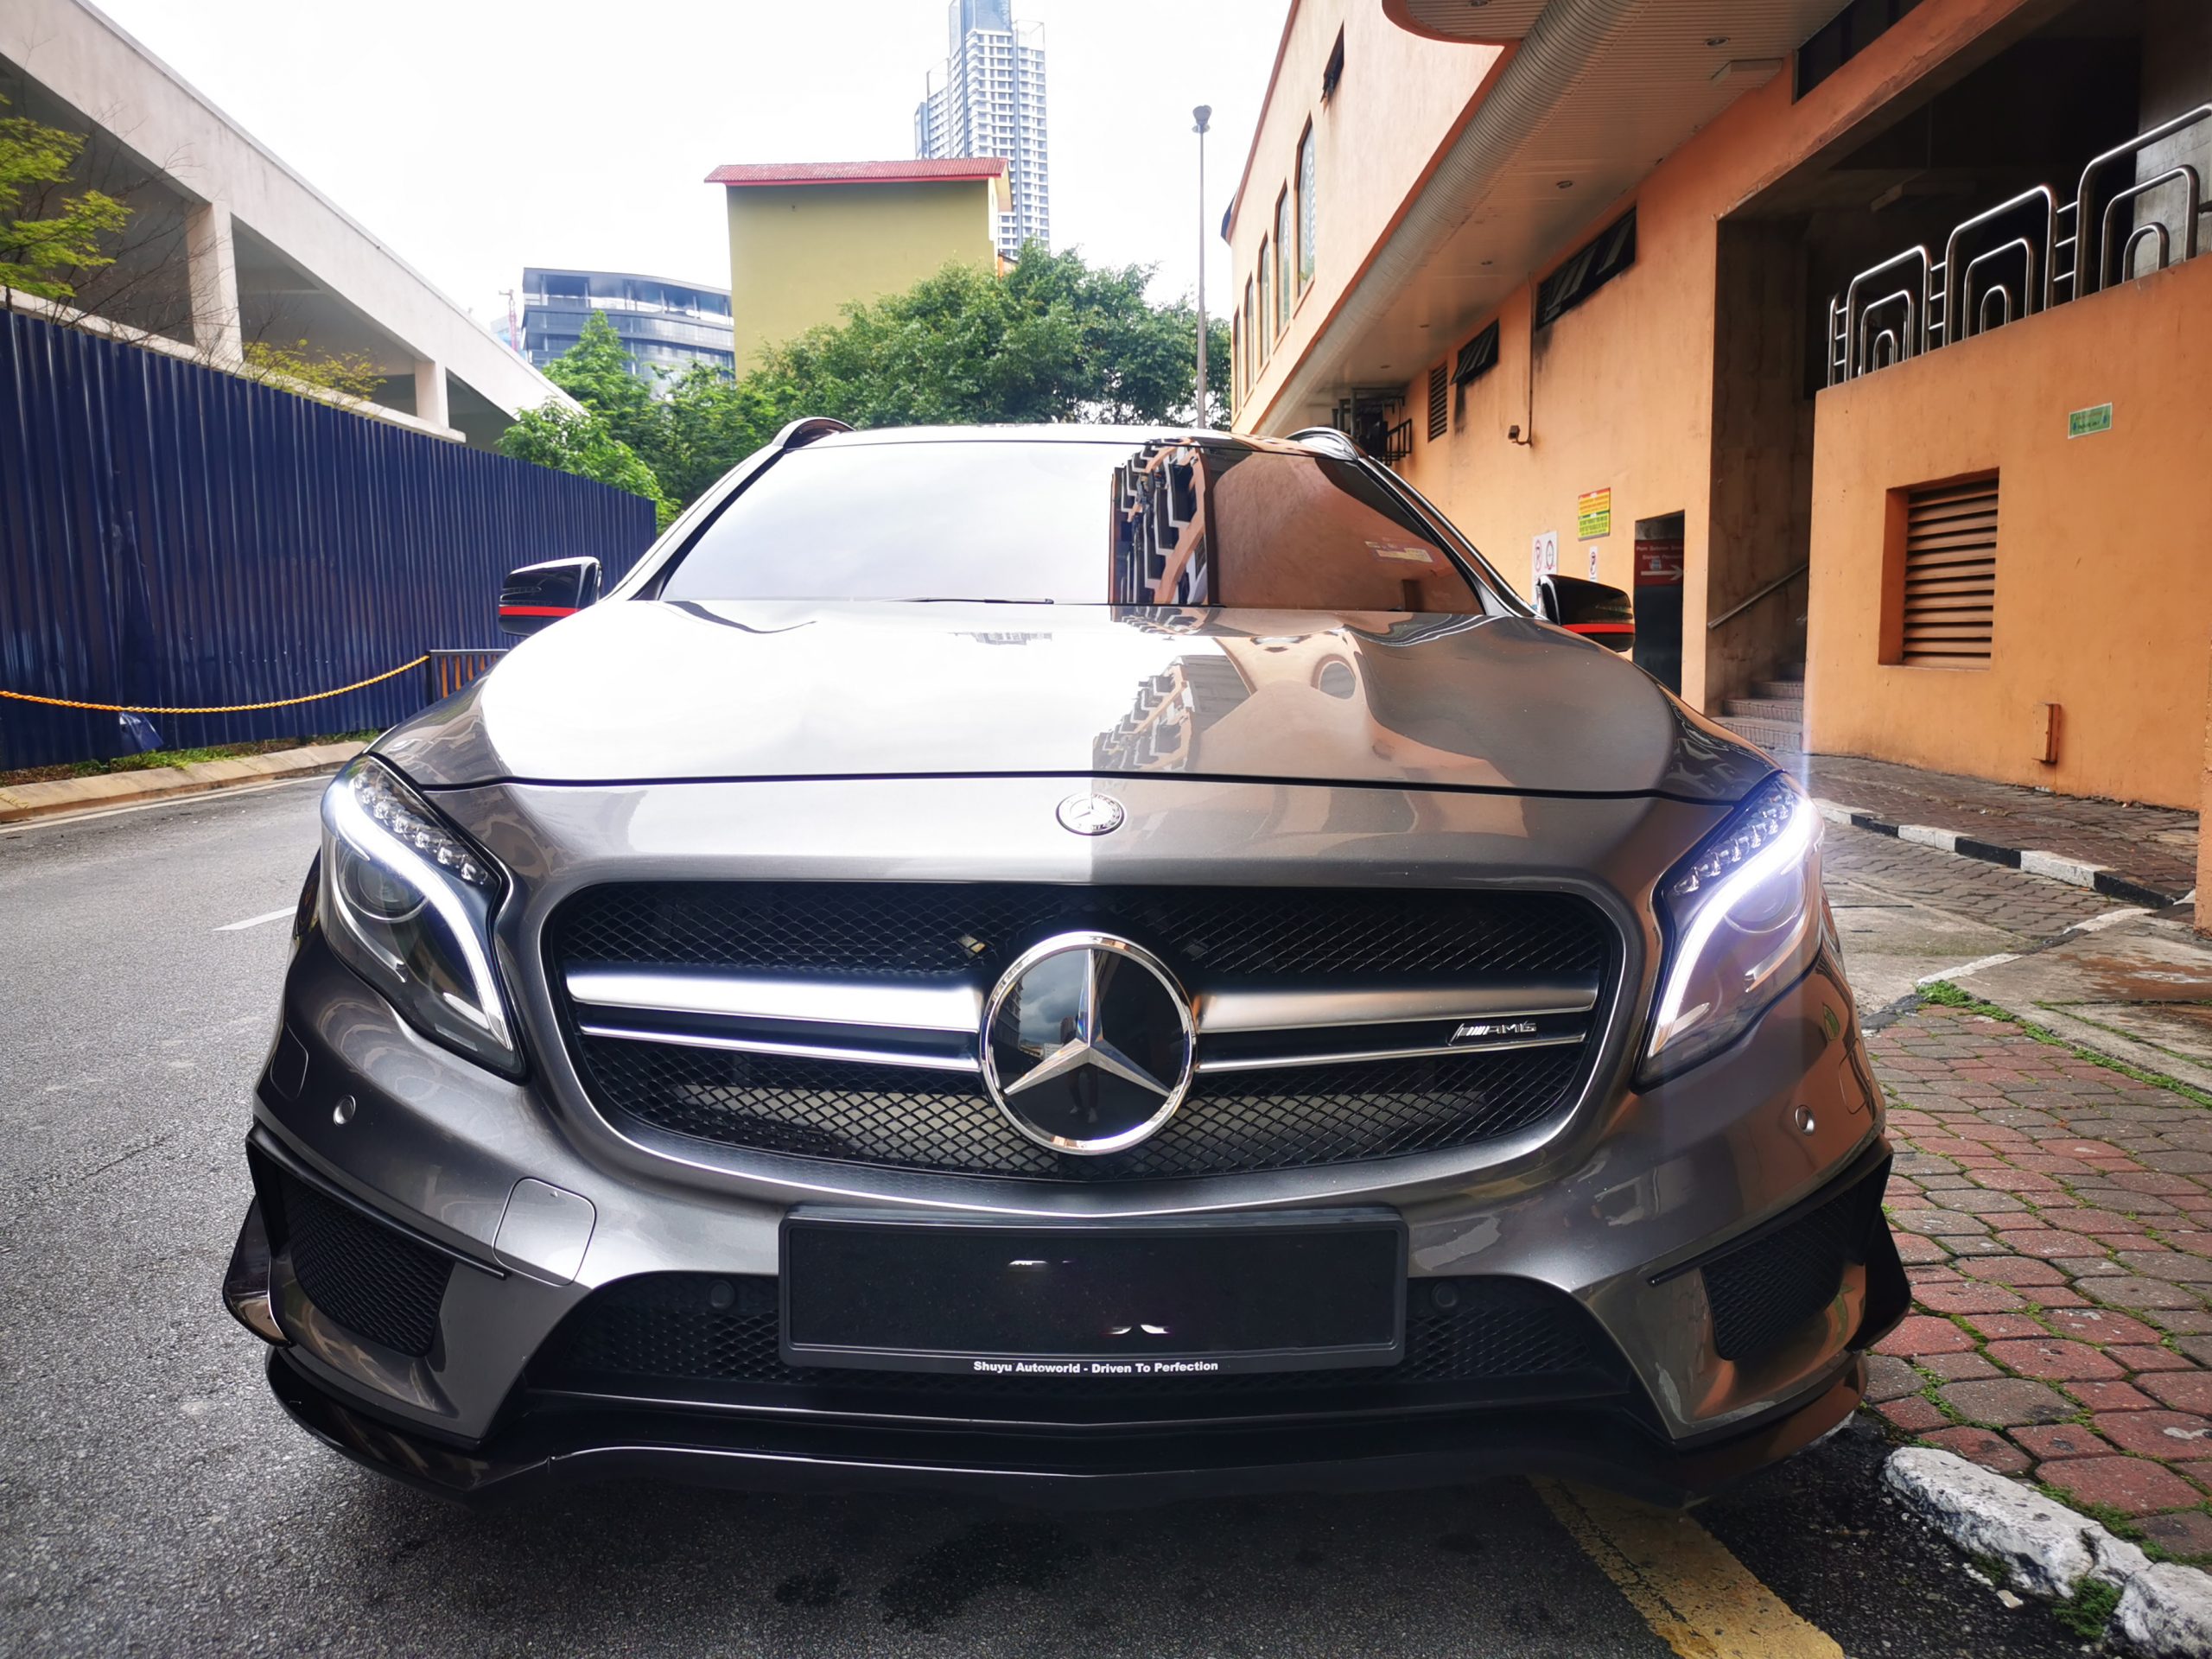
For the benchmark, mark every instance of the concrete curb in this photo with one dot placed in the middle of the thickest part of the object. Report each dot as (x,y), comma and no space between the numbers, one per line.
(2073,871)
(2045,1550)
(23,803)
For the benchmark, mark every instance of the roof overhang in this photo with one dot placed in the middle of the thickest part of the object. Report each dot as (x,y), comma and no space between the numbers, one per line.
(1594,95)
(788,176)
(1492,22)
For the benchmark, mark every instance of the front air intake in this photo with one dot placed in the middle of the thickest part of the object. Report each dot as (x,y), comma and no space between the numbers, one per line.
(379,1284)
(1765,1291)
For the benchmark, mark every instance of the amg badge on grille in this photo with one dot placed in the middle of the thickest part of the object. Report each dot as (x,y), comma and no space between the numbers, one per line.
(1088,1044)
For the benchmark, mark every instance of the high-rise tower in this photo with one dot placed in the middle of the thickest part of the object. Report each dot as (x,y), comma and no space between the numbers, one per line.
(988,98)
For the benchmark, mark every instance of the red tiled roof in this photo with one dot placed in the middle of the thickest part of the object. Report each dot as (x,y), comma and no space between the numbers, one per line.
(949,170)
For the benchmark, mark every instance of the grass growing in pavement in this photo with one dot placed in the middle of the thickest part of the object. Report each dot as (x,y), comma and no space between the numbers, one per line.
(1943,994)
(170,758)
(2089,1609)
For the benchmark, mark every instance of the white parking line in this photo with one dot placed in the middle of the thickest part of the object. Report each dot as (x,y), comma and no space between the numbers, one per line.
(1973,967)
(2097,923)
(257,921)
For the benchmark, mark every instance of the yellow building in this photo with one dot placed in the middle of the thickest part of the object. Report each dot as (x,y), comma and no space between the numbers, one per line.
(1860,341)
(808,239)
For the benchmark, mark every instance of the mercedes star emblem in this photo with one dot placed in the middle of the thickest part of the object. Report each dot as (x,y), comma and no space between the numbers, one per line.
(1090,815)
(1088,1044)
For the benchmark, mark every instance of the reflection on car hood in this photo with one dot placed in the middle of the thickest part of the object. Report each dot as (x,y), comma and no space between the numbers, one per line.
(635,690)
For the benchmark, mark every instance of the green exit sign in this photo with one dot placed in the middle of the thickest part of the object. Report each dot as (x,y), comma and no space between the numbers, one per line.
(2083,421)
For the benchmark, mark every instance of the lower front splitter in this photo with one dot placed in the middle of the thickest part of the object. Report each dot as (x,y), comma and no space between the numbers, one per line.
(1602,1448)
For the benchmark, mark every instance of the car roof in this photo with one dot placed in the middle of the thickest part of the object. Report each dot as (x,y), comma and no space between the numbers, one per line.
(1055,432)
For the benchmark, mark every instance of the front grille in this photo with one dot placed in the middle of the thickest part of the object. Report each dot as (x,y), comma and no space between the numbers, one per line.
(1465,1337)
(377,1283)
(1764,1292)
(973,929)
(1294,1117)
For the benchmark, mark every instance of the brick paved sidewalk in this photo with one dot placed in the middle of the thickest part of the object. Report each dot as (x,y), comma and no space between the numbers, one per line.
(2154,846)
(2056,1218)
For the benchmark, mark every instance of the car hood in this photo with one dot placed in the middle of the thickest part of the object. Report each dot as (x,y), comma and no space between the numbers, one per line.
(641,690)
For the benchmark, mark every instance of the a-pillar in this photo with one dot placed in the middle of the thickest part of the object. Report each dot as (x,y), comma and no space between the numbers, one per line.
(430,394)
(211,270)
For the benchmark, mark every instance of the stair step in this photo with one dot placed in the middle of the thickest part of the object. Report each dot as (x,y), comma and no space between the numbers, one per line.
(1780,690)
(1774,736)
(1785,711)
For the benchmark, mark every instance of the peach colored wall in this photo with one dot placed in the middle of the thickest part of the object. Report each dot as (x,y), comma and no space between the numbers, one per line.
(1401,99)
(2104,548)
(1618,392)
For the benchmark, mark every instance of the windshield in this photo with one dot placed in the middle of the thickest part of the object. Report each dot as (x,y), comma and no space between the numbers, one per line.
(1072,523)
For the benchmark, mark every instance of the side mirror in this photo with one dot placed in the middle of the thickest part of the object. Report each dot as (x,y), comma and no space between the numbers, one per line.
(1603,614)
(539,595)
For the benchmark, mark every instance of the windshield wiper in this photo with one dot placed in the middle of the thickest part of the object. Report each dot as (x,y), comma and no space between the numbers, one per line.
(966,599)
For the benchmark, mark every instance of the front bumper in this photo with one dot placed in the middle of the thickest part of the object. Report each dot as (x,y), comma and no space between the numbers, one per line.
(463,1419)
(703,1448)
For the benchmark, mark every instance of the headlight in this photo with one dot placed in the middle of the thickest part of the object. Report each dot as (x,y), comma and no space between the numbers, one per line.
(408,905)
(1742,918)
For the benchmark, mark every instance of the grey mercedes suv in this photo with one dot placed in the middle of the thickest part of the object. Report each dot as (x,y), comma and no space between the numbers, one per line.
(1086,963)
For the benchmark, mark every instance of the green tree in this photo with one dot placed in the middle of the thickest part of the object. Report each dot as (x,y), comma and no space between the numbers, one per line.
(596,371)
(350,376)
(40,253)
(710,423)
(1054,340)
(580,442)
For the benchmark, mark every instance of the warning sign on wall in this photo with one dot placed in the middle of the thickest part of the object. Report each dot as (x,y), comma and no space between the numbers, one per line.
(1543,557)
(1593,514)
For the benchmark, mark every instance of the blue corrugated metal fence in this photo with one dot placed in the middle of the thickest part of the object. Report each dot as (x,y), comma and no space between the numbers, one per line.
(171,535)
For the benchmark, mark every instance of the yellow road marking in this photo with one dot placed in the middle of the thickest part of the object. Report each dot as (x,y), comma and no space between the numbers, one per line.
(1697,1597)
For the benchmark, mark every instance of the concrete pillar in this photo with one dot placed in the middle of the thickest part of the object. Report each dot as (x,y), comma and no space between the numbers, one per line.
(430,394)
(211,267)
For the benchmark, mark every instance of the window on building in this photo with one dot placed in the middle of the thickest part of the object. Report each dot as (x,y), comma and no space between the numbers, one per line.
(1941,574)
(1251,337)
(1307,211)
(1286,250)
(1236,354)
(1266,301)
(1596,262)
(1440,403)
(1334,71)
(1476,358)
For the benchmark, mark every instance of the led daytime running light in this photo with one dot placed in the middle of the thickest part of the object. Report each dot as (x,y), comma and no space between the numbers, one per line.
(382,826)
(1777,837)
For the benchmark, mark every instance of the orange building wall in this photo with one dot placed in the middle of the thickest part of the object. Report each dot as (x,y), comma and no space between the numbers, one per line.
(2104,547)
(1620,391)
(1401,99)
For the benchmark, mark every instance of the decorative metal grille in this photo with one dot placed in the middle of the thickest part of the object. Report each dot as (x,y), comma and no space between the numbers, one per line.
(2026,254)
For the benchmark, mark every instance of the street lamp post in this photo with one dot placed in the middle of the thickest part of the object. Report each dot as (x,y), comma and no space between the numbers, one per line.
(1202,114)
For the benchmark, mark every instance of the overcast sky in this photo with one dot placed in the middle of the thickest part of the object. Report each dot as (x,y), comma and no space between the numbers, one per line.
(476,137)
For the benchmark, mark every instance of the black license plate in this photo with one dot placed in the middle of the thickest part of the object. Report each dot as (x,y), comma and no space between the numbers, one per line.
(1308,1291)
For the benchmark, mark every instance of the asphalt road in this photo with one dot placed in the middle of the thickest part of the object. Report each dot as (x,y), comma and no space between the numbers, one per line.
(154,1499)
